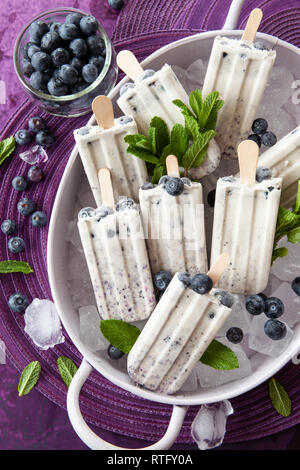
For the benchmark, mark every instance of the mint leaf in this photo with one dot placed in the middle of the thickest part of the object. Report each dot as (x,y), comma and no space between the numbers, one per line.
(152,140)
(184,109)
(7,146)
(192,127)
(159,171)
(279,253)
(207,108)
(162,137)
(294,235)
(296,208)
(179,141)
(166,151)
(67,369)
(120,334)
(12,266)
(195,101)
(280,399)
(143,154)
(219,356)
(29,378)
(211,121)
(133,139)
(195,154)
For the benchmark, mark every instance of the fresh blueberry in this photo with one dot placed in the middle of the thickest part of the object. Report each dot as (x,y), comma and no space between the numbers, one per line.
(126,87)
(275,329)
(26,206)
(38,81)
(274,307)
(185,278)
(234,334)
(186,181)
(225,298)
(68,74)
(147,185)
(37,30)
(114,353)
(8,226)
(98,61)
(73,18)
(36,124)
(201,283)
(33,49)
(68,31)
(174,186)
(60,56)
(116,4)
(23,137)
(79,86)
(89,25)
(41,61)
(39,219)
(45,138)
(255,304)
(125,203)
(27,68)
(19,183)
(163,180)
(296,285)
(35,174)
(50,41)
(256,138)
(211,197)
(54,27)
(89,73)
(56,87)
(77,63)
(146,74)
(268,139)
(263,173)
(18,302)
(125,120)
(259,126)
(162,279)
(16,244)
(78,47)
(25,49)
(96,44)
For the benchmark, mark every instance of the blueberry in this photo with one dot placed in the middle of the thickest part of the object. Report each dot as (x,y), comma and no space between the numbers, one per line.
(162,279)
(33,49)
(114,353)
(36,124)
(126,87)
(73,18)
(39,219)
(259,126)
(68,31)
(186,181)
(45,138)
(68,74)
(27,68)
(98,61)
(25,49)
(37,30)
(89,73)
(174,186)
(255,304)
(263,173)
(261,46)
(26,206)
(163,180)
(86,212)
(296,285)
(40,61)
(125,120)
(125,203)
(54,27)
(35,174)
(274,307)
(78,47)
(268,139)
(96,44)
(19,183)
(60,56)
(116,4)
(184,278)
(211,197)
(234,334)
(56,87)
(38,81)
(88,25)
(147,185)
(50,41)
(146,74)
(275,329)
(8,226)
(77,63)
(225,298)
(201,283)
(18,302)
(256,138)
(79,86)
(16,244)
(23,137)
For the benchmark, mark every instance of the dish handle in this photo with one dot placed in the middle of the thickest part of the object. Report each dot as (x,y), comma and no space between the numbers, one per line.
(95,442)
(233,14)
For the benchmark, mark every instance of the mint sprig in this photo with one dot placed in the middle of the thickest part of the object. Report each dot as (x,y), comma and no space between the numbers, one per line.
(279,397)
(67,369)
(7,146)
(12,266)
(29,378)
(218,356)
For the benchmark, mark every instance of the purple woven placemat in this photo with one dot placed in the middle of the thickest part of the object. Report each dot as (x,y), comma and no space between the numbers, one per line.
(104,405)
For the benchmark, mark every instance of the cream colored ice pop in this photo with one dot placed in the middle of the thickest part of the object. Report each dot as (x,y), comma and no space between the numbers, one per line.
(245,216)
(115,250)
(173,219)
(183,324)
(103,146)
(239,71)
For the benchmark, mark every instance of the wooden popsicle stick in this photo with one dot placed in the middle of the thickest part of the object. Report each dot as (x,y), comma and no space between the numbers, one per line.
(172,166)
(129,64)
(107,193)
(103,110)
(248,152)
(252,25)
(219,267)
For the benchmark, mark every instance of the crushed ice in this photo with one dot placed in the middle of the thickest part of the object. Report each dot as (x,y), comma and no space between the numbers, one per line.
(36,155)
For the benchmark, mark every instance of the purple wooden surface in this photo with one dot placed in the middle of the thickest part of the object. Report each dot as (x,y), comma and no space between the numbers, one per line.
(39,420)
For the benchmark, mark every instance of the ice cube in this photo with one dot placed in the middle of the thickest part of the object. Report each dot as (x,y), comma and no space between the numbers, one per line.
(82,292)
(89,332)
(280,122)
(273,284)
(195,74)
(279,88)
(260,342)
(209,425)
(291,301)
(42,324)
(238,317)
(73,236)
(288,267)
(2,352)
(36,155)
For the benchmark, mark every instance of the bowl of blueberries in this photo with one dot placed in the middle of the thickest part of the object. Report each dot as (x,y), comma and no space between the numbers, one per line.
(64,59)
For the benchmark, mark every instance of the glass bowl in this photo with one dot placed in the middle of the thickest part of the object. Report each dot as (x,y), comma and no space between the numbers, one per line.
(76,104)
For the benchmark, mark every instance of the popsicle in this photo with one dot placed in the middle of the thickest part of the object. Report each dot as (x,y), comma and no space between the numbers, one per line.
(245,216)
(173,218)
(103,146)
(239,71)
(115,251)
(151,94)
(178,332)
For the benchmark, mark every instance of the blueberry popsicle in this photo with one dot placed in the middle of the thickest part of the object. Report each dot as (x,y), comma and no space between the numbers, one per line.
(173,219)
(245,216)
(239,70)
(151,94)
(103,146)
(183,324)
(115,251)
